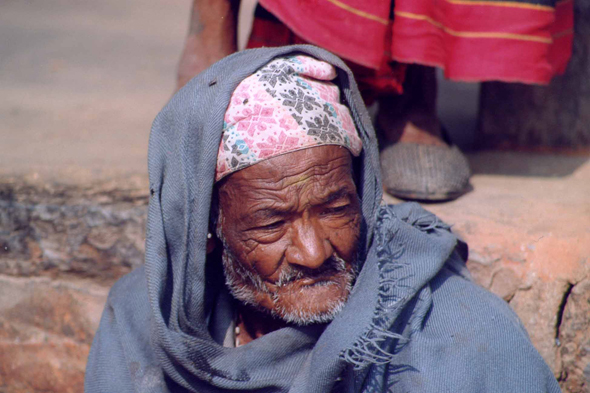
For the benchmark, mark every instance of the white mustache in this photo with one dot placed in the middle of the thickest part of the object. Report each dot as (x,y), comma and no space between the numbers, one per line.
(291,273)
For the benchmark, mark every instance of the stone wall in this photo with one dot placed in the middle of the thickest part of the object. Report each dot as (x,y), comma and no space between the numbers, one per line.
(529,240)
(574,338)
(61,248)
(95,232)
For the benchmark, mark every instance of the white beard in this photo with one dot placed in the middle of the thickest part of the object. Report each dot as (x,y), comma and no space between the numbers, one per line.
(244,285)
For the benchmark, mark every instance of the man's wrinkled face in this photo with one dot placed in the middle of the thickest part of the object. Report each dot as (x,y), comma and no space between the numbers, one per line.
(290,227)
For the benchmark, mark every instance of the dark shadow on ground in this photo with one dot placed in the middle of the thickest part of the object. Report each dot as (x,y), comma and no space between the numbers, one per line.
(528,164)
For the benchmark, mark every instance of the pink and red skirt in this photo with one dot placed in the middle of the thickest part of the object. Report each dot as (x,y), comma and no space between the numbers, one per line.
(527,41)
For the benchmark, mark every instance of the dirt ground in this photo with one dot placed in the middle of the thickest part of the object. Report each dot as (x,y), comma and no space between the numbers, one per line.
(81,82)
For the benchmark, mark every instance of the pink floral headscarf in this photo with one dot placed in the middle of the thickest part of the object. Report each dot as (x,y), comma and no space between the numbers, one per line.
(287,105)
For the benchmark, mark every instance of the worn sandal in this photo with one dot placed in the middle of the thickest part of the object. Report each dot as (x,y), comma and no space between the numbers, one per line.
(424,172)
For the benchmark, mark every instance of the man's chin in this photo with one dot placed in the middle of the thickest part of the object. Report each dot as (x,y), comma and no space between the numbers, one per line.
(300,303)
(305,304)
(308,311)
(304,301)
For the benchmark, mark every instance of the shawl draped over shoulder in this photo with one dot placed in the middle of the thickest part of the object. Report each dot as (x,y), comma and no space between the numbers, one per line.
(414,322)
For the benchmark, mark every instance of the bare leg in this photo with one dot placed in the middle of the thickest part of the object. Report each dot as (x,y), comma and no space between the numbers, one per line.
(211,37)
(411,117)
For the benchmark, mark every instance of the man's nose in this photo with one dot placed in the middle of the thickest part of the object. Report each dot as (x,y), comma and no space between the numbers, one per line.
(309,246)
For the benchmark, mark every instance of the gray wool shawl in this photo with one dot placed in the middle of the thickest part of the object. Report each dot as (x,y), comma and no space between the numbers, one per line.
(414,321)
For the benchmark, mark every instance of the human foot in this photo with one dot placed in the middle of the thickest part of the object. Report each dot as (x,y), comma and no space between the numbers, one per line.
(417,160)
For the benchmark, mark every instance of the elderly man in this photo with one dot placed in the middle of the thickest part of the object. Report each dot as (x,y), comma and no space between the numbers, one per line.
(271,265)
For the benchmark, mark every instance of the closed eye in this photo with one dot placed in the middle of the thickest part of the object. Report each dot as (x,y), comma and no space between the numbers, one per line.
(336,209)
(271,226)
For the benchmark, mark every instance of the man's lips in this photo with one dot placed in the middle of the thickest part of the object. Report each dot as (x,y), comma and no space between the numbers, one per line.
(307,281)
(332,277)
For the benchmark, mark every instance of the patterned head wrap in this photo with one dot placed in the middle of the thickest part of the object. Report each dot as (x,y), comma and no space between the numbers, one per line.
(287,105)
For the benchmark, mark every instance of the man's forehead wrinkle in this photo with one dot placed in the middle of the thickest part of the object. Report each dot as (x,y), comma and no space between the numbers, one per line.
(288,183)
(277,168)
(261,188)
(330,168)
(265,199)
(319,194)
(271,209)
(334,195)
(313,187)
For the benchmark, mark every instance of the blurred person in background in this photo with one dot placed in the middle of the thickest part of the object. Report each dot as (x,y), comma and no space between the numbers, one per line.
(392,48)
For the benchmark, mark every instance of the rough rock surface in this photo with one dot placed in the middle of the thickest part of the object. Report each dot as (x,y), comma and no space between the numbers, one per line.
(61,247)
(557,115)
(575,338)
(96,232)
(529,238)
(80,84)
(527,224)
(46,328)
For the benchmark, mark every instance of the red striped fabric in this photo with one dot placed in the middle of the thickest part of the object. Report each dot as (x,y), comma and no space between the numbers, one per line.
(472,40)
